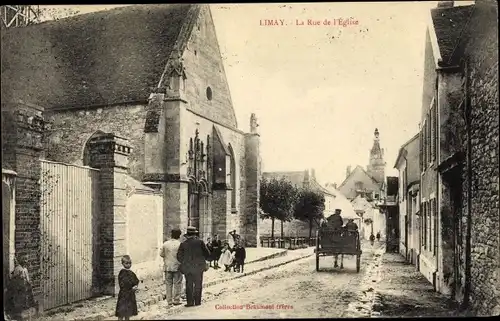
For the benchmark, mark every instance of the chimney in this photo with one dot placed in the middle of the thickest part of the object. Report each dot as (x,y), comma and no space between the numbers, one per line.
(348,171)
(445,4)
(313,173)
(335,185)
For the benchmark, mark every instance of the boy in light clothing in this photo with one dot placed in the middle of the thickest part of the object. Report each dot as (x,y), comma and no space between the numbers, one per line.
(173,277)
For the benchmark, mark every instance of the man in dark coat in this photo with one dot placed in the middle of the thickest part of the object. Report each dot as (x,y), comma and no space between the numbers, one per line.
(192,255)
(335,221)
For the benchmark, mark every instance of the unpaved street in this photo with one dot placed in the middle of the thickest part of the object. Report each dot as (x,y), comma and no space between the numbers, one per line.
(293,290)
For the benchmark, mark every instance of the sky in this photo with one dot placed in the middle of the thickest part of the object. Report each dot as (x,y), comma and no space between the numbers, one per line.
(319,91)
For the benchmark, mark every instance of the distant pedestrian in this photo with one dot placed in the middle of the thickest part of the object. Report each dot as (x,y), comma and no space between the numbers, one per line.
(216,250)
(226,257)
(378,236)
(239,257)
(173,277)
(126,306)
(19,291)
(372,239)
(192,255)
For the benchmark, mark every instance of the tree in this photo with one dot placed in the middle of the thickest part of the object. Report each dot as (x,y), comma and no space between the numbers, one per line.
(277,201)
(310,207)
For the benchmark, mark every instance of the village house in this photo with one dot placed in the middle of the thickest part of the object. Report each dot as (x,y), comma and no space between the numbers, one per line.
(369,184)
(372,220)
(138,135)
(307,179)
(460,249)
(407,163)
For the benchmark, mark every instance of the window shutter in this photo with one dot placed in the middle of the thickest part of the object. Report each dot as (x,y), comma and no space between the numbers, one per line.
(421,150)
(433,131)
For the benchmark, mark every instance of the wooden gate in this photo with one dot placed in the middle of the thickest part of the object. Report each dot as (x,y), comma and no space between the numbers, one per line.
(69,213)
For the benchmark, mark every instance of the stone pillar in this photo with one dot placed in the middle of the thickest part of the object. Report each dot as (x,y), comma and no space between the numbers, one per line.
(250,228)
(22,148)
(166,144)
(110,153)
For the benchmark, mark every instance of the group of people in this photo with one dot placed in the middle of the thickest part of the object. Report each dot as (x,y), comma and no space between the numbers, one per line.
(186,257)
(229,254)
(336,222)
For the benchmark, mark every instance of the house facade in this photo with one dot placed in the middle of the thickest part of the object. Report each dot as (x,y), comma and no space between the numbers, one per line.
(460,246)
(407,163)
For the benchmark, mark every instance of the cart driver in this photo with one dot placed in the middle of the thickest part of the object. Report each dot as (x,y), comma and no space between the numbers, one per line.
(335,221)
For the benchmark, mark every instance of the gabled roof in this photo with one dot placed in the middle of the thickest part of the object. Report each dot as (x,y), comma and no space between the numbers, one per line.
(359,168)
(448,24)
(402,149)
(94,59)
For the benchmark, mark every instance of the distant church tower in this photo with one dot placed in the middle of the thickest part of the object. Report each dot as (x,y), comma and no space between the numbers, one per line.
(376,167)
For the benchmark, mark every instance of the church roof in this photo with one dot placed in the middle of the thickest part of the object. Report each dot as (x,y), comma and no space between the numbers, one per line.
(95,59)
(448,26)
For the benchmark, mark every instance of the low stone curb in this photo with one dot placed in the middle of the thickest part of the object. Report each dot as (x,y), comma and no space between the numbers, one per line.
(141,305)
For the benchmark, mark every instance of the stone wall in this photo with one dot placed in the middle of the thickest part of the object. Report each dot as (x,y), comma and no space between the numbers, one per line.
(482,52)
(294,228)
(144,214)
(22,147)
(71,129)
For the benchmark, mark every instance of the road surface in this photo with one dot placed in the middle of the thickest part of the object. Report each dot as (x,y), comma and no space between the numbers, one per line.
(294,290)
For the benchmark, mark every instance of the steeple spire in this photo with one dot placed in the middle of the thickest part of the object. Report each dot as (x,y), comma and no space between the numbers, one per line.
(376,167)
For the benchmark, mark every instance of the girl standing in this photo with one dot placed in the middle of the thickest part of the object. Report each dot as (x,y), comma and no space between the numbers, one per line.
(126,306)
(226,257)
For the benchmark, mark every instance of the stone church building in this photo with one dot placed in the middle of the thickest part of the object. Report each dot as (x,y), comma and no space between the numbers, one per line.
(150,80)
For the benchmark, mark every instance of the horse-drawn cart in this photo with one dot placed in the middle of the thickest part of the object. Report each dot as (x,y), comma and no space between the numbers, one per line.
(335,242)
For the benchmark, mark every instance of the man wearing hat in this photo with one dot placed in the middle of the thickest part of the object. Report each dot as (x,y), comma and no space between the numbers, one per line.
(192,255)
(335,221)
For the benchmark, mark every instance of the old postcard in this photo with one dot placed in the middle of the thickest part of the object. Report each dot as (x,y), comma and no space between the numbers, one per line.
(223,161)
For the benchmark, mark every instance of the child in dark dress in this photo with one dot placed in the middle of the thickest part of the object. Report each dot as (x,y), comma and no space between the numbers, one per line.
(239,257)
(126,306)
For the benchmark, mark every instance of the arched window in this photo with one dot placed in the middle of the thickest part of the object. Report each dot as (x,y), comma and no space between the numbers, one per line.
(232,179)
(86,148)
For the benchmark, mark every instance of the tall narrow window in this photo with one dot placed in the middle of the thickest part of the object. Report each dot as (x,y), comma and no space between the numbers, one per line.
(232,179)
(436,230)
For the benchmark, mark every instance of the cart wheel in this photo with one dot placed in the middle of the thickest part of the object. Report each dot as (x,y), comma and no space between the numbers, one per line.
(358,263)
(317,262)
